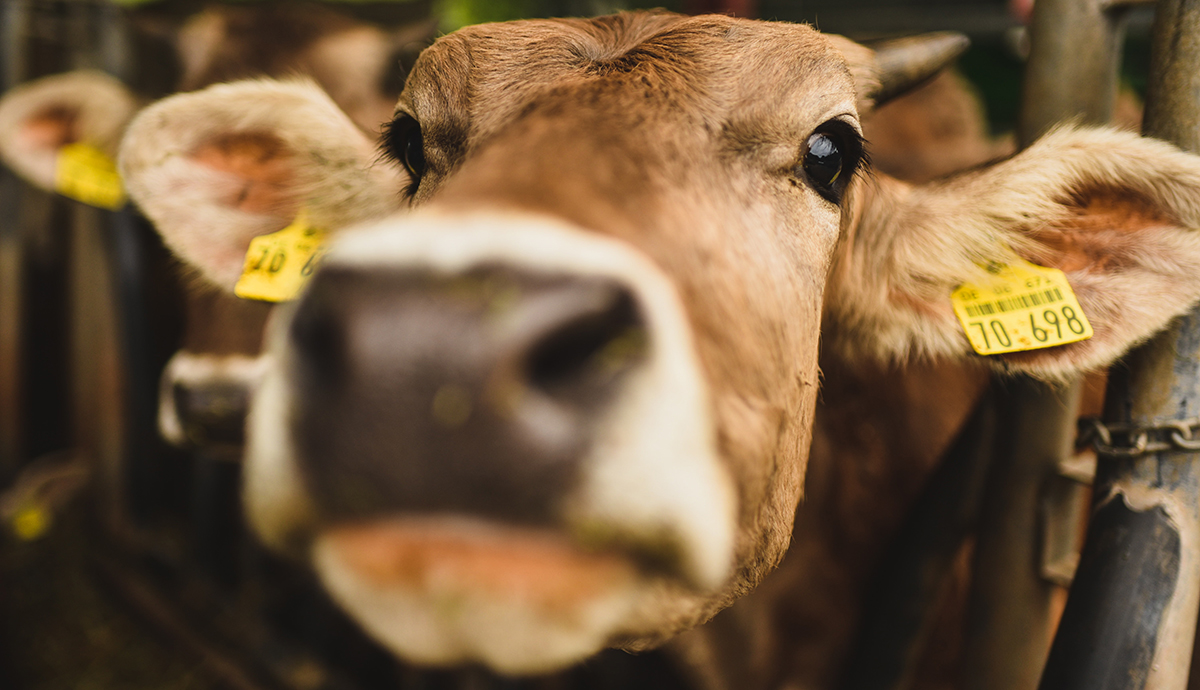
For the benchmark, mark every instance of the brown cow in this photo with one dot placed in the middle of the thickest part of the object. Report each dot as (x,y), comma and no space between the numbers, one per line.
(570,402)
(202,397)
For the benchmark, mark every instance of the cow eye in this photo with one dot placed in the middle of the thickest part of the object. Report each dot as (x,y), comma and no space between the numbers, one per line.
(831,156)
(823,162)
(402,141)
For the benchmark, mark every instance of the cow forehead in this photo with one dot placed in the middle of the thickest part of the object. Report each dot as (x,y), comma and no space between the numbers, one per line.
(471,83)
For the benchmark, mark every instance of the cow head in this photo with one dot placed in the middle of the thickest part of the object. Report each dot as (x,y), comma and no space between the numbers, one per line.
(566,402)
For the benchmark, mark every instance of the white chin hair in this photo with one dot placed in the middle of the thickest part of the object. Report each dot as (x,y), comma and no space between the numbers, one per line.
(443,625)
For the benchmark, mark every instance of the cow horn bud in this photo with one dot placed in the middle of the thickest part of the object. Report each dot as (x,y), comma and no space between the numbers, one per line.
(903,64)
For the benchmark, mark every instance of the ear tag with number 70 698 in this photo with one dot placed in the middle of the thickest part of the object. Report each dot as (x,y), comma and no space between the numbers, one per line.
(279,264)
(1022,307)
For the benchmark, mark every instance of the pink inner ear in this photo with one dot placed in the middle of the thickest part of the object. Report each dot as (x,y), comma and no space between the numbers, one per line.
(1101,233)
(261,162)
(50,129)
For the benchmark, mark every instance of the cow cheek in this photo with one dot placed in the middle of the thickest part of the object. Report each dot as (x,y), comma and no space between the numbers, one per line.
(745,430)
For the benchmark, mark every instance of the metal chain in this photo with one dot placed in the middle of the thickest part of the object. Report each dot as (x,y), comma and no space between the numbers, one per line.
(1131,441)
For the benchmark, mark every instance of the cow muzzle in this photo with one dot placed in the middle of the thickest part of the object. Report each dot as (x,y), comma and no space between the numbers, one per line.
(203,398)
(492,436)
(470,393)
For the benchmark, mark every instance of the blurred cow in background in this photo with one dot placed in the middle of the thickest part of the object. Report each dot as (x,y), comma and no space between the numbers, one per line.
(360,65)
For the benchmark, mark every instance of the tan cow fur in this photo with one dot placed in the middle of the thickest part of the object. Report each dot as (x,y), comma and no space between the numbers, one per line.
(683,154)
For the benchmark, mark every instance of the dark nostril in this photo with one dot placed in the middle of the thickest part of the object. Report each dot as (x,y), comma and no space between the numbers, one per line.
(589,346)
(470,392)
(212,412)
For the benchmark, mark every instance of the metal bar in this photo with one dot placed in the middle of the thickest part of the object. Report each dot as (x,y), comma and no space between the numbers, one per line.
(1173,91)
(1071,73)
(1130,621)
(1073,65)
(1010,607)
(113,41)
(15,29)
(14,16)
(97,367)
(1131,614)
(126,236)
(125,233)
(11,279)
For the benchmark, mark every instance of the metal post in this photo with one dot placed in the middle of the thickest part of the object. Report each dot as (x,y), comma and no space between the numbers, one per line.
(1071,73)
(1131,616)
(1074,55)
(98,370)
(14,16)
(1010,611)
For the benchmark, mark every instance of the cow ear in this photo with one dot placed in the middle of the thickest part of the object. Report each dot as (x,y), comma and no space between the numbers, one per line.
(892,68)
(215,168)
(1118,213)
(39,118)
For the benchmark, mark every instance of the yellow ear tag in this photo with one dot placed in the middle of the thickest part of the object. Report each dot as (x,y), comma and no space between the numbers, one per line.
(278,265)
(87,174)
(31,522)
(1023,307)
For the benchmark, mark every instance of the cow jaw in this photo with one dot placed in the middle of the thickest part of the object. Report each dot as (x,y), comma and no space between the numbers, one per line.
(653,506)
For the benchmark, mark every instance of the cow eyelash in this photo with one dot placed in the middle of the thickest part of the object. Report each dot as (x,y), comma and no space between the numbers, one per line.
(401,140)
(832,155)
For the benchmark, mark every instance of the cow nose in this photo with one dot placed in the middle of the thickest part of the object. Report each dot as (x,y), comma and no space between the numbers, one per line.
(212,412)
(477,393)
(203,398)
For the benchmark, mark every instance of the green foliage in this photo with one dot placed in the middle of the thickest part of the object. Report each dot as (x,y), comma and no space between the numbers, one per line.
(134,3)
(459,13)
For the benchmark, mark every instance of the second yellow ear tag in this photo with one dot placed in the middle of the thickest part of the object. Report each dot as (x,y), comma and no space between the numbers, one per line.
(1023,307)
(278,265)
(31,522)
(87,174)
